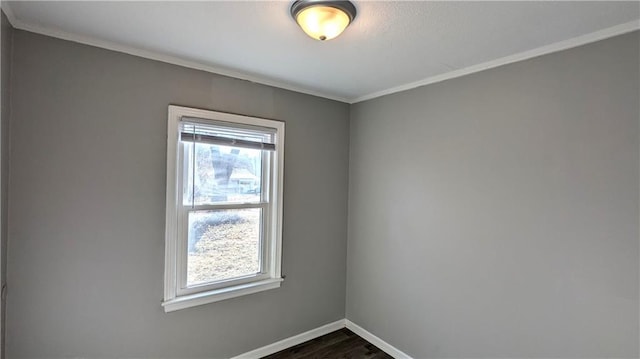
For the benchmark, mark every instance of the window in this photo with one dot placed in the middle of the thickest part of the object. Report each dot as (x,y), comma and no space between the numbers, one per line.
(224,206)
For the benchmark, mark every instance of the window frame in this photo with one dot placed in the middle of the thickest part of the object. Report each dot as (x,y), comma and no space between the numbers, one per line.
(176,294)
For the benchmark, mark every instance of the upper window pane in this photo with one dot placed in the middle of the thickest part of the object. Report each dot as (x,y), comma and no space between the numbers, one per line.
(221,174)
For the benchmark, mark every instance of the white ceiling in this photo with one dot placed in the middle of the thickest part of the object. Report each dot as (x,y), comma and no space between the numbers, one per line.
(390,46)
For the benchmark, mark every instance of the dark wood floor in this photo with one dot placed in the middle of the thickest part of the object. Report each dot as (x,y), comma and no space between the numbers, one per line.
(342,343)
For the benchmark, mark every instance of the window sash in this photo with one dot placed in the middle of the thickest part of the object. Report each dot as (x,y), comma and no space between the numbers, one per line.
(183,243)
(265,239)
(266,175)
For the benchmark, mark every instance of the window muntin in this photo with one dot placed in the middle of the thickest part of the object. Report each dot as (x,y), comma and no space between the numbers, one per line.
(224,207)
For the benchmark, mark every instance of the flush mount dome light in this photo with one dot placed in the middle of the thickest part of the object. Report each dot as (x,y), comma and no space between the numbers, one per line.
(323,20)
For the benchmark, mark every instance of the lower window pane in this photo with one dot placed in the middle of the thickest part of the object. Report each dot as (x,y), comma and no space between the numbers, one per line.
(223,244)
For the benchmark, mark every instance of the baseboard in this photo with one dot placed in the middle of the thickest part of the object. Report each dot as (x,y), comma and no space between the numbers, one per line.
(318,332)
(292,341)
(384,346)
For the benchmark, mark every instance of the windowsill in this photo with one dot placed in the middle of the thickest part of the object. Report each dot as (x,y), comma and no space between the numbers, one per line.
(192,300)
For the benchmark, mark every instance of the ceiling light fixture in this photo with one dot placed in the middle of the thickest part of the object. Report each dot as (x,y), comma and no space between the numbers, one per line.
(323,20)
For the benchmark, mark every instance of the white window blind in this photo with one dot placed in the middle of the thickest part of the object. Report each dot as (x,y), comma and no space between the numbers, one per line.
(244,136)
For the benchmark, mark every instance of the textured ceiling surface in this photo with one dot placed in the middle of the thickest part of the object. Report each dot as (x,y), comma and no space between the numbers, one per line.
(389,44)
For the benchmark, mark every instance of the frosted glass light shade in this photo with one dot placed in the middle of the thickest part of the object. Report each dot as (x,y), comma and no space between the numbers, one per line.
(323,20)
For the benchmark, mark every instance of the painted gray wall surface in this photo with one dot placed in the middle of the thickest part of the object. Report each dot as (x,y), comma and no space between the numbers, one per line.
(5,64)
(496,215)
(87,208)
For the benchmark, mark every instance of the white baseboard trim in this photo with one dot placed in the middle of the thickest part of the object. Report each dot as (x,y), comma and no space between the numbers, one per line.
(292,341)
(320,331)
(384,346)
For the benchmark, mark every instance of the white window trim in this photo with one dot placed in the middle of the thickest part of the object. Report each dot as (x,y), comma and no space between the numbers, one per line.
(174,299)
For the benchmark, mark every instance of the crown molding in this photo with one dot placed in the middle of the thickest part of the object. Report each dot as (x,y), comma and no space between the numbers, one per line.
(7,11)
(525,55)
(152,55)
(544,50)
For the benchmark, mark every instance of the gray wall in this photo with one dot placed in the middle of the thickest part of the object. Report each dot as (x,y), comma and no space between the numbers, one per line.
(87,208)
(492,215)
(5,63)
(496,215)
